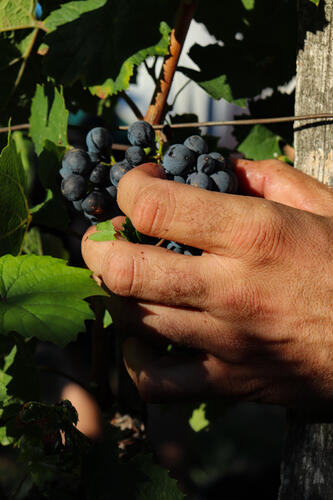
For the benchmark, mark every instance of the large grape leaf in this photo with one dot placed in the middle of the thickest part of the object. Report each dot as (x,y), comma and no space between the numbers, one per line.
(17,14)
(49,117)
(95,56)
(121,83)
(14,212)
(261,144)
(42,297)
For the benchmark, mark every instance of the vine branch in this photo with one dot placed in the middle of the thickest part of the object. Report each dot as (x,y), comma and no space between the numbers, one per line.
(184,17)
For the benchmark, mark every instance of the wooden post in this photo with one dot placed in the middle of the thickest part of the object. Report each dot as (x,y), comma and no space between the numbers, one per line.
(307,468)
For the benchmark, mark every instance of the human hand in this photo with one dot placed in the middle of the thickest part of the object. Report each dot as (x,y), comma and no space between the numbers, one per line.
(257,306)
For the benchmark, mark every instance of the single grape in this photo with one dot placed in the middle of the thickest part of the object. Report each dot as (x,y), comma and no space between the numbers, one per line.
(100,175)
(96,203)
(99,141)
(74,187)
(118,170)
(178,159)
(78,205)
(223,181)
(78,162)
(112,191)
(196,144)
(200,180)
(135,156)
(179,178)
(216,155)
(141,134)
(94,157)
(175,247)
(65,172)
(206,164)
(221,161)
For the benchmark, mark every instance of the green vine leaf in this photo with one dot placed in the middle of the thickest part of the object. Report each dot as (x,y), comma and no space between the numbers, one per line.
(316,2)
(198,420)
(105,232)
(103,59)
(111,87)
(18,14)
(71,11)
(49,117)
(248,4)
(14,211)
(129,233)
(261,144)
(40,296)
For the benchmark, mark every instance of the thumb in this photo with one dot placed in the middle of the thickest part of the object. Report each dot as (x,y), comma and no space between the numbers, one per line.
(280,182)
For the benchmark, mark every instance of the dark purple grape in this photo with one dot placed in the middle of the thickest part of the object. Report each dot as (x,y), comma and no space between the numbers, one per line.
(65,172)
(175,247)
(74,187)
(78,162)
(99,141)
(200,180)
(118,170)
(216,155)
(112,191)
(135,156)
(221,161)
(179,178)
(96,203)
(223,181)
(100,175)
(178,159)
(141,134)
(206,164)
(94,157)
(196,144)
(78,205)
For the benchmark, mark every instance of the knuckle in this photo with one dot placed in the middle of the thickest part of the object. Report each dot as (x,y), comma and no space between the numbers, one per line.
(153,208)
(121,273)
(268,234)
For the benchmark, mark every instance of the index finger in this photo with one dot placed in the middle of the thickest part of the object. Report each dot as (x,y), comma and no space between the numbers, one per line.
(190,215)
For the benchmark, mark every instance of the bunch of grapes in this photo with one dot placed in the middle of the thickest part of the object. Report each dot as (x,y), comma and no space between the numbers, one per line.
(90,181)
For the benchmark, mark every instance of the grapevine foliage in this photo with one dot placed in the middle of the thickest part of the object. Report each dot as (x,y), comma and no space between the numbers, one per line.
(60,59)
